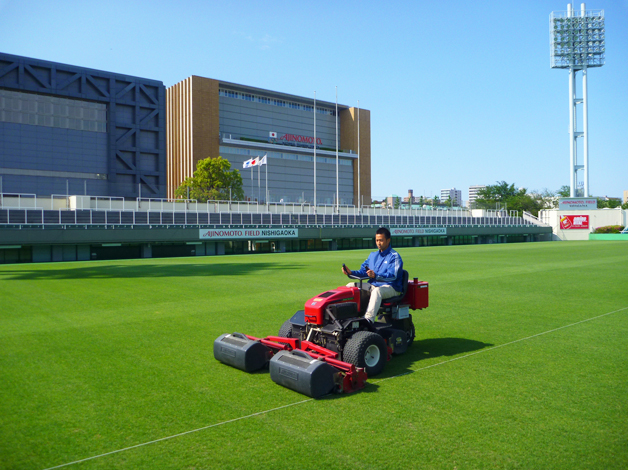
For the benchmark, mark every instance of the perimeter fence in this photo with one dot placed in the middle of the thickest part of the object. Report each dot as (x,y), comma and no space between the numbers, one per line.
(30,210)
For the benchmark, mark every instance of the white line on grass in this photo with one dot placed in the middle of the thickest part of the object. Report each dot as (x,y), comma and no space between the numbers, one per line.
(499,346)
(311,399)
(179,435)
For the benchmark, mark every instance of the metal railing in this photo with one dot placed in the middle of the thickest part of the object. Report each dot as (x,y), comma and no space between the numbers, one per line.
(18,200)
(28,209)
(533,219)
(92,217)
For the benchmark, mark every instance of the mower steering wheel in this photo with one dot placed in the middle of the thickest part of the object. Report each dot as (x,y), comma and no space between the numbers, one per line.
(358,278)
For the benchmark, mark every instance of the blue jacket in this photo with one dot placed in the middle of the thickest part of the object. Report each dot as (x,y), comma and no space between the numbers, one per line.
(388,268)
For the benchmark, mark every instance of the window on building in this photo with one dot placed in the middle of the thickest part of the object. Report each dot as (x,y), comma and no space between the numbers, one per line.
(274,102)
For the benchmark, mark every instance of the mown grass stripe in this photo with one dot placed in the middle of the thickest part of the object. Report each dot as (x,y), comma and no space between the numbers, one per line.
(499,346)
(179,434)
(311,399)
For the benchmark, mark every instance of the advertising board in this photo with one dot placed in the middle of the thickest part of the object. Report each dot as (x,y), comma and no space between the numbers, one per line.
(247,233)
(400,232)
(576,204)
(570,222)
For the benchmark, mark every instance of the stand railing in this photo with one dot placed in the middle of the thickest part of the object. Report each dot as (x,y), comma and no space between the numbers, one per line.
(87,217)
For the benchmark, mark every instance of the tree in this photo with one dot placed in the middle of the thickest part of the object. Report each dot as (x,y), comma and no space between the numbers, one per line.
(550,199)
(396,202)
(610,203)
(602,202)
(507,197)
(496,195)
(212,181)
(564,191)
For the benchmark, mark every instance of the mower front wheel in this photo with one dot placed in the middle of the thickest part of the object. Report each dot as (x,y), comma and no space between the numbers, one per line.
(368,350)
(286,330)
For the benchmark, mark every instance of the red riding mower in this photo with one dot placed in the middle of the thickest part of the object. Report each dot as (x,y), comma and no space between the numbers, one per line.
(330,346)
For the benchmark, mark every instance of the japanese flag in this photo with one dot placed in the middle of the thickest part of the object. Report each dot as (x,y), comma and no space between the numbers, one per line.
(273,135)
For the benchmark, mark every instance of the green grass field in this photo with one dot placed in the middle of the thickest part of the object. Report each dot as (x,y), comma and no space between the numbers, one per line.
(521,362)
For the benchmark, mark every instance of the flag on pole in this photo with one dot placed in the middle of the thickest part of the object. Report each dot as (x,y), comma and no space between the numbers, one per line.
(263,161)
(250,163)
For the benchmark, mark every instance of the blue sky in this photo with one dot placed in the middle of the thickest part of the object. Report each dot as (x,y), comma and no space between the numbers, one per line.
(460,93)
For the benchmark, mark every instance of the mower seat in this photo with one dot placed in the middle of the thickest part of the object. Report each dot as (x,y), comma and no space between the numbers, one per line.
(387,303)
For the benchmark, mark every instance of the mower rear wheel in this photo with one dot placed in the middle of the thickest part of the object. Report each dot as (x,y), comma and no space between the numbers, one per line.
(366,349)
(286,330)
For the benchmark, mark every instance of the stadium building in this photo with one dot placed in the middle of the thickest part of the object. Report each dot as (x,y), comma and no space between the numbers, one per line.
(88,159)
(209,118)
(72,130)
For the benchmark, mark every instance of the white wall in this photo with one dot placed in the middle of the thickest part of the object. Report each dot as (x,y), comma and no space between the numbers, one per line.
(597,218)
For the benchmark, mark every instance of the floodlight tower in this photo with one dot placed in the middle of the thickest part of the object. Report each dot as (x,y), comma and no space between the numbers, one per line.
(577,43)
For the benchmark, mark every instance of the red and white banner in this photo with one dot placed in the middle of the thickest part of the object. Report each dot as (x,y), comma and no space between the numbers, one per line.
(569,222)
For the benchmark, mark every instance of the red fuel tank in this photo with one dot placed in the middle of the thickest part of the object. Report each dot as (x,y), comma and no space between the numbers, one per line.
(417,296)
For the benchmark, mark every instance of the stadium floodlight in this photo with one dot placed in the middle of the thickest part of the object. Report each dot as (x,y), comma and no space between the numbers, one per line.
(577,43)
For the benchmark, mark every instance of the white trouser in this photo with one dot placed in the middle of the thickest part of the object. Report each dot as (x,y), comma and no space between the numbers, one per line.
(377,294)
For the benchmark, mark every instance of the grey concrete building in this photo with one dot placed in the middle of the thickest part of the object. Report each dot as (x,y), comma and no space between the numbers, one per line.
(72,130)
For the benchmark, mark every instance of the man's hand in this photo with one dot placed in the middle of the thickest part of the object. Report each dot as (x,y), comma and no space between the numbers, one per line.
(370,273)
(346,270)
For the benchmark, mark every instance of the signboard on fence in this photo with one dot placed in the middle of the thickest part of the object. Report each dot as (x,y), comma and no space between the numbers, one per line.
(576,204)
(247,233)
(569,222)
(400,232)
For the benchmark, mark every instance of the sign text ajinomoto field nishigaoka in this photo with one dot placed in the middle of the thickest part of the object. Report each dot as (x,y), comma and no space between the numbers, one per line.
(400,232)
(254,233)
(247,233)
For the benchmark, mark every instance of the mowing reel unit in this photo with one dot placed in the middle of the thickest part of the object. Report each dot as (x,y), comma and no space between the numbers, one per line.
(299,365)
(329,346)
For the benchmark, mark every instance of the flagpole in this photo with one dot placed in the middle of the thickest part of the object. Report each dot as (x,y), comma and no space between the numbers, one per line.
(358,204)
(266,157)
(337,188)
(259,190)
(314,151)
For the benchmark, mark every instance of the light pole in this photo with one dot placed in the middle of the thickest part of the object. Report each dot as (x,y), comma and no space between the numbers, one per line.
(337,187)
(577,43)
(359,205)
(315,151)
